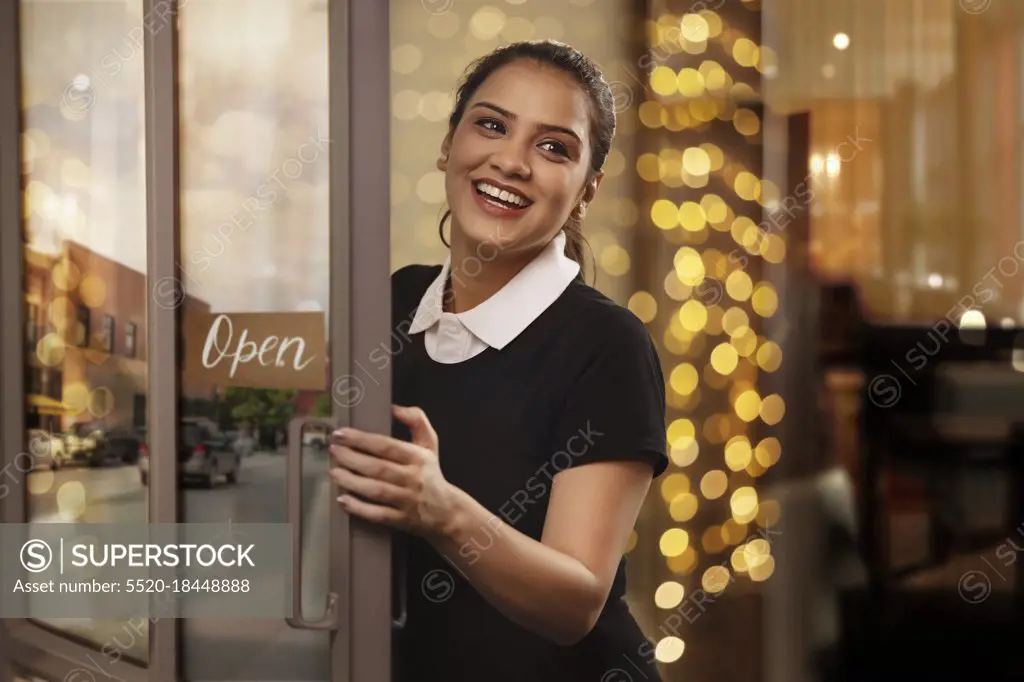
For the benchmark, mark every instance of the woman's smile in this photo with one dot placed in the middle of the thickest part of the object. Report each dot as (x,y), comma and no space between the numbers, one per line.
(500,200)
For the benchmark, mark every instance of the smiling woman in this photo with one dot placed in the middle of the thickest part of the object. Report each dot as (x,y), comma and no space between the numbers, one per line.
(531,406)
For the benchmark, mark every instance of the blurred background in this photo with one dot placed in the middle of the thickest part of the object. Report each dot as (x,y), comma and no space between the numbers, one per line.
(814,205)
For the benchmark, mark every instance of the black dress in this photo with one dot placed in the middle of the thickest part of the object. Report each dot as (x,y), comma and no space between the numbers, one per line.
(581,384)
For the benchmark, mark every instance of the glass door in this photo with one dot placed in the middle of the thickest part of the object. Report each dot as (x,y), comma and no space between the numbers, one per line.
(179,161)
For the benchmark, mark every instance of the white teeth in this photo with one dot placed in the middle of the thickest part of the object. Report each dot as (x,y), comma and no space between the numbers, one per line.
(502,195)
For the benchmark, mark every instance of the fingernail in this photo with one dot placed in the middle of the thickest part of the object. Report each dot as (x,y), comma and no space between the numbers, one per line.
(341,434)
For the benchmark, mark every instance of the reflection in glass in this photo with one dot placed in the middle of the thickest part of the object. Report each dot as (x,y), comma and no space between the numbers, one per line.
(84,265)
(254,239)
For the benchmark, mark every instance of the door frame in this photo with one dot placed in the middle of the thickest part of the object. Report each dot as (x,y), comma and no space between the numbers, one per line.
(359,123)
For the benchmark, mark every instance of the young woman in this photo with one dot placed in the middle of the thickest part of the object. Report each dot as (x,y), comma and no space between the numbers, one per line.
(532,418)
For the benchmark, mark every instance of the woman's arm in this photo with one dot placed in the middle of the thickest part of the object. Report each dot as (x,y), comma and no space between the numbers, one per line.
(556,587)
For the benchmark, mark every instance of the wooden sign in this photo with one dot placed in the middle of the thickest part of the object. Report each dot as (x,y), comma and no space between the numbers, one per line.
(259,350)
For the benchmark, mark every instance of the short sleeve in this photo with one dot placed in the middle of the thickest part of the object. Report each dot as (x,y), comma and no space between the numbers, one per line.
(615,406)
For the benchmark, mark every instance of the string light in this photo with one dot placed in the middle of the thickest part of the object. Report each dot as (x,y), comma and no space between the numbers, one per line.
(707,208)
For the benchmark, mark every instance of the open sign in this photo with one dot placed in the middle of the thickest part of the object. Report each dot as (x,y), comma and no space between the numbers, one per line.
(260,350)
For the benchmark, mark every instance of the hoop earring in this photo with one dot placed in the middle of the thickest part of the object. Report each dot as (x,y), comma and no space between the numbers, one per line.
(440,228)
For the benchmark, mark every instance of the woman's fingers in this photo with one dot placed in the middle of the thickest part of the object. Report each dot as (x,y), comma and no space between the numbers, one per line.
(371,512)
(369,466)
(372,489)
(377,444)
(420,429)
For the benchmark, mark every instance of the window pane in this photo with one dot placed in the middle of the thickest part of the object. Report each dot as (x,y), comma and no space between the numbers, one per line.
(85,267)
(255,239)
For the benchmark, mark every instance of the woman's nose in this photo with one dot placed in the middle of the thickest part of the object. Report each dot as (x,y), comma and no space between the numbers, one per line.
(511,161)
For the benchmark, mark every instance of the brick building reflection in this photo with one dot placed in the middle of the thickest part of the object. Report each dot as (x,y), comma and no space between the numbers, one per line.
(85,334)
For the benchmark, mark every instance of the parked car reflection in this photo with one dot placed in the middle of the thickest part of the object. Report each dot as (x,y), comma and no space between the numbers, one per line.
(45,449)
(85,444)
(204,453)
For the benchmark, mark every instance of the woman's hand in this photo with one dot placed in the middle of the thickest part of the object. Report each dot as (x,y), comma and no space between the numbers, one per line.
(400,482)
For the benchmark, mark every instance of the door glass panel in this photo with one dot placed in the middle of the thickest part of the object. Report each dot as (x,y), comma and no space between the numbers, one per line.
(254,221)
(85,270)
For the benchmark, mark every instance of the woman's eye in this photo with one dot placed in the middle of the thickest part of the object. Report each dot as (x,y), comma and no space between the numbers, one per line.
(555,147)
(491,125)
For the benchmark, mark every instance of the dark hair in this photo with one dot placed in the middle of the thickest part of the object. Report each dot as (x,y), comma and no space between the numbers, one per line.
(585,72)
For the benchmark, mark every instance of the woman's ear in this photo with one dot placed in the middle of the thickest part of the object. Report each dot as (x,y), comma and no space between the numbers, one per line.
(446,147)
(590,189)
(588,194)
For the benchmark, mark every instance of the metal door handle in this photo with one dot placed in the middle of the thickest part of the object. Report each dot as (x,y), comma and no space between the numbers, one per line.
(293,504)
(402,576)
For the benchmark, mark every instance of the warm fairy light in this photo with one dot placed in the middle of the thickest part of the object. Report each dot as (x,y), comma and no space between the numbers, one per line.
(713,484)
(764,300)
(693,315)
(684,378)
(684,451)
(768,62)
(614,260)
(664,214)
(691,216)
(733,532)
(663,81)
(648,167)
(740,227)
(696,161)
(674,485)
(715,579)
(684,563)
(724,358)
(772,409)
(101,402)
(669,595)
(714,22)
(738,285)
(744,504)
(748,405)
(840,41)
(650,114)
(674,542)
(769,356)
(746,122)
(71,500)
(745,52)
(762,571)
(711,540)
(716,210)
(720,356)
(768,452)
(675,288)
(50,349)
(744,340)
(739,559)
(773,249)
(734,319)
(644,306)
(690,83)
(747,186)
(695,28)
(738,453)
(680,428)
(683,507)
(669,650)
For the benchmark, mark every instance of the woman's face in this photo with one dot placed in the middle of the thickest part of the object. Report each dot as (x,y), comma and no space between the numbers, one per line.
(517,163)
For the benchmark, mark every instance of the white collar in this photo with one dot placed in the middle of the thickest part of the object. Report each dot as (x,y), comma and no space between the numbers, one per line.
(506,314)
